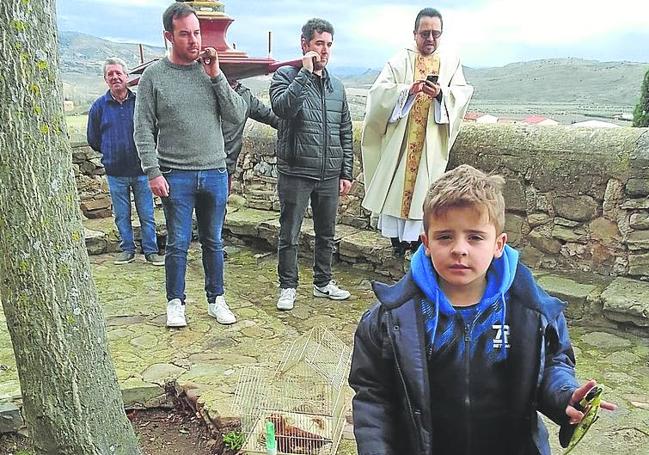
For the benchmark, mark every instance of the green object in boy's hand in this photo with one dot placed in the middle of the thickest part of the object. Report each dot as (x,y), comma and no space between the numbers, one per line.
(589,405)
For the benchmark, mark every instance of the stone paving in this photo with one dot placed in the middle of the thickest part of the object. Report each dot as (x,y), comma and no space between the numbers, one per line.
(209,356)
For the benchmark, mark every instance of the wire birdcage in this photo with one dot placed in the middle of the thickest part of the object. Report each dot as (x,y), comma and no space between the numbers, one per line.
(303,396)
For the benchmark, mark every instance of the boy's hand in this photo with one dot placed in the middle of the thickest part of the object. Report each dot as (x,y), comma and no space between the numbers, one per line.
(575,414)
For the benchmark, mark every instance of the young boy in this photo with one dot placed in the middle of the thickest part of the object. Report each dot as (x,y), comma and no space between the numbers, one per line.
(457,357)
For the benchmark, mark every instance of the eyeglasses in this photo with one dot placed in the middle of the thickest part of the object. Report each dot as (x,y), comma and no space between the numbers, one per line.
(428,33)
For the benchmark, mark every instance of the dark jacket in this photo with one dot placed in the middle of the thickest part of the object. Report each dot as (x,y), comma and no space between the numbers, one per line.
(233,132)
(314,138)
(390,370)
(110,132)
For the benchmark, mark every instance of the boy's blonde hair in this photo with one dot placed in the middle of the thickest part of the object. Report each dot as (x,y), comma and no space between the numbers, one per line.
(466,186)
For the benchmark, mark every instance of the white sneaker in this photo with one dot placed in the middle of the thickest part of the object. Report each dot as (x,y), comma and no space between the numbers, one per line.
(331,291)
(220,310)
(286,299)
(176,314)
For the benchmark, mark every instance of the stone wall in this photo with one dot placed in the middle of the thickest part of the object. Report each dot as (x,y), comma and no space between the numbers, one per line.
(577,198)
(91,182)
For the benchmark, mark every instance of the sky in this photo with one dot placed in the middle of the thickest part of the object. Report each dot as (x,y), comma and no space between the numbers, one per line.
(485,33)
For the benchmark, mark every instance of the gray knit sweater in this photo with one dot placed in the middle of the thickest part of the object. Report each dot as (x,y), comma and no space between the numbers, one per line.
(179,108)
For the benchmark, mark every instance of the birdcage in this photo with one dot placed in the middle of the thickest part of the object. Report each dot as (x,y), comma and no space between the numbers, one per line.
(303,396)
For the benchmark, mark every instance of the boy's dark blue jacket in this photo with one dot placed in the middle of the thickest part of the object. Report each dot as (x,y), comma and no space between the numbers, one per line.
(390,372)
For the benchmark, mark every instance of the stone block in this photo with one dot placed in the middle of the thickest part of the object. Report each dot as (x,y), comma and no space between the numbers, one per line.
(568,234)
(236,201)
(259,204)
(95,241)
(625,300)
(613,198)
(575,294)
(369,246)
(161,373)
(137,393)
(103,213)
(530,255)
(576,250)
(11,419)
(357,189)
(579,208)
(639,264)
(269,231)
(566,223)
(639,221)
(97,203)
(636,204)
(605,232)
(638,240)
(86,167)
(538,219)
(514,194)
(637,187)
(514,225)
(606,341)
(542,240)
(245,221)
(78,156)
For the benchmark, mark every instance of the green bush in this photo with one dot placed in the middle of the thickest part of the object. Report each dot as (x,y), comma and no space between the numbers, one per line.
(234,440)
(641,113)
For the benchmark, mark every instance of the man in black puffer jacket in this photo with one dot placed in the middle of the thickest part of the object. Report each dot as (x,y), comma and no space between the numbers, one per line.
(314,159)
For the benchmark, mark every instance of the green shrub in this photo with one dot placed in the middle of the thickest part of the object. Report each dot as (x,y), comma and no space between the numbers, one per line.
(641,113)
(234,440)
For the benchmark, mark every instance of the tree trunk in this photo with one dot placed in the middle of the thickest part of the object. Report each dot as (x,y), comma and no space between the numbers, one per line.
(71,398)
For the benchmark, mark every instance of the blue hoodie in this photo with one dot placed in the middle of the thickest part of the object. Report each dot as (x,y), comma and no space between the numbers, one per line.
(467,350)
(500,277)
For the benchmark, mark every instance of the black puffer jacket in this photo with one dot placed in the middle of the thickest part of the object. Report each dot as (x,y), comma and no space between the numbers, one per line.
(390,372)
(314,137)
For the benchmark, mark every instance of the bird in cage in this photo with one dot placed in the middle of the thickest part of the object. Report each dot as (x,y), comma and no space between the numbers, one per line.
(293,439)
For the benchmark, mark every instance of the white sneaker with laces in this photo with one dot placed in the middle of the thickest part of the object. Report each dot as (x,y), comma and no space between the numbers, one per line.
(220,310)
(330,291)
(286,299)
(176,314)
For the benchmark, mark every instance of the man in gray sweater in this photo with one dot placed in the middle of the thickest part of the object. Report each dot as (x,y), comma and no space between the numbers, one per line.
(179,109)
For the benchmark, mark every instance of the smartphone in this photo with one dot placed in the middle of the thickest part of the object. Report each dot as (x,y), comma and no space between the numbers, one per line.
(432,78)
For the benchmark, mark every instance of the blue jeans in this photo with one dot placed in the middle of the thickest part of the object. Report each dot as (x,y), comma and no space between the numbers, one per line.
(206,192)
(120,192)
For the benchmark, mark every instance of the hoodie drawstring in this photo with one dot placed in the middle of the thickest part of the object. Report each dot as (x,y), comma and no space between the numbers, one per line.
(503,346)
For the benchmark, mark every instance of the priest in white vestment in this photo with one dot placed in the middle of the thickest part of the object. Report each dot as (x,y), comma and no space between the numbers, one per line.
(413,115)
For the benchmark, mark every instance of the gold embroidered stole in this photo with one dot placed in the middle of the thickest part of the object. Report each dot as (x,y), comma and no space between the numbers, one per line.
(416,130)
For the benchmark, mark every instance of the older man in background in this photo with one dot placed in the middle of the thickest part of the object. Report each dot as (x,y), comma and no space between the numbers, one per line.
(110,132)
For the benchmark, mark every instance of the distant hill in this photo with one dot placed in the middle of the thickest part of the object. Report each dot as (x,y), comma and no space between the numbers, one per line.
(82,58)
(85,54)
(562,80)
(599,86)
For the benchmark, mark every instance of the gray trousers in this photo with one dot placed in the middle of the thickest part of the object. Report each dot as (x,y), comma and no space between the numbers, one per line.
(294,194)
